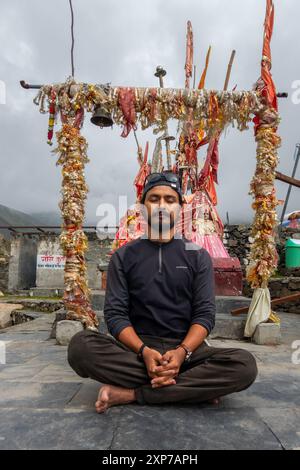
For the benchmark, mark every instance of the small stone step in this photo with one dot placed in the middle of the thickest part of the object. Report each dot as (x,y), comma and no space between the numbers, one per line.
(224,304)
(229,327)
(24,316)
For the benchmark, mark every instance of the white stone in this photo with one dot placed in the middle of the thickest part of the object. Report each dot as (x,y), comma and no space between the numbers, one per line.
(267,333)
(66,329)
(5,312)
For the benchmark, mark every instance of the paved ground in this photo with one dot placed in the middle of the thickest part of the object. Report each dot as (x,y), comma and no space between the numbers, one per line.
(44,405)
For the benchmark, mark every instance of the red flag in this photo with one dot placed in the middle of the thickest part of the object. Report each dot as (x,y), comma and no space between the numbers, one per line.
(189,54)
(142,174)
(269,90)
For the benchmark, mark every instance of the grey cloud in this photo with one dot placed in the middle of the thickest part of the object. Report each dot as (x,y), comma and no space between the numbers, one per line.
(122,42)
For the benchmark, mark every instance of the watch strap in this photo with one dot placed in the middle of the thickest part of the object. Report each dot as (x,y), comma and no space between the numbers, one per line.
(188,352)
(140,351)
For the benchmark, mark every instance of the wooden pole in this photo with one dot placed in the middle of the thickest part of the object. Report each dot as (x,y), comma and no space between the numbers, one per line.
(229,70)
(279,300)
(287,179)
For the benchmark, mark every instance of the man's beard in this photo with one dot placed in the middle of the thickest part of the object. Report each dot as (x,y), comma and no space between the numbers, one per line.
(161,225)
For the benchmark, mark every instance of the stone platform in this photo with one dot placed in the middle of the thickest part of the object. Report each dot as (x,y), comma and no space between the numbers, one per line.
(45,405)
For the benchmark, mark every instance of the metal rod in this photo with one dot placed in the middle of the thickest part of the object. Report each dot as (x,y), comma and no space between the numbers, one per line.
(13,227)
(30,86)
(297,156)
(140,150)
(72,36)
(136,139)
(160,73)
(27,86)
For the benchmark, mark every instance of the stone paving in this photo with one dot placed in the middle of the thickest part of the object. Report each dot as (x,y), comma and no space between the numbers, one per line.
(44,405)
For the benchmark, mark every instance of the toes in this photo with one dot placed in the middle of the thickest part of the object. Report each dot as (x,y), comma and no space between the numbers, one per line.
(100,407)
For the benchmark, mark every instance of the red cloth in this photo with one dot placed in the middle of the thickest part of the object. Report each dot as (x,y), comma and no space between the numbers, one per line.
(266,84)
(142,174)
(126,99)
(209,173)
(270,90)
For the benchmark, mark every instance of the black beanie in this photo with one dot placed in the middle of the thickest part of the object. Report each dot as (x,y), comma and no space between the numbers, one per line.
(162,182)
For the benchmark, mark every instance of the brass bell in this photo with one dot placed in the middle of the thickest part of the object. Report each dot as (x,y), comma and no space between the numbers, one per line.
(101,118)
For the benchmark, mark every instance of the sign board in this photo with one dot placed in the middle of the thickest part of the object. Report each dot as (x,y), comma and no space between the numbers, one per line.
(51,261)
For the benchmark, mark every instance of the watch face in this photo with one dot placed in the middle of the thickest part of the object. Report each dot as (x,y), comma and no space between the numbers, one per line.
(188,356)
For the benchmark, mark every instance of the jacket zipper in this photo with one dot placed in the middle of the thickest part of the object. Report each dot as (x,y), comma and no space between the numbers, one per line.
(159,259)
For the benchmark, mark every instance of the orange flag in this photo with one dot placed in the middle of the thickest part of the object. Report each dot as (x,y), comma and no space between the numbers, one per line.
(203,76)
(266,63)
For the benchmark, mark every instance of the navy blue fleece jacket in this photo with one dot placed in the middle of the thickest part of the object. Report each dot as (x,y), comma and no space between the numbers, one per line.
(160,289)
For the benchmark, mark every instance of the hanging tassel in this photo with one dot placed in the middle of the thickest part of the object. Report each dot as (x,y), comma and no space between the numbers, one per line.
(52,112)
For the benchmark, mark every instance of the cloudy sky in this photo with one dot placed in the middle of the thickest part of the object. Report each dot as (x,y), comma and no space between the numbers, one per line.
(122,43)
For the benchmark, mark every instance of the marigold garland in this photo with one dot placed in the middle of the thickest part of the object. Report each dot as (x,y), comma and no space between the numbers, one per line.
(263,254)
(72,156)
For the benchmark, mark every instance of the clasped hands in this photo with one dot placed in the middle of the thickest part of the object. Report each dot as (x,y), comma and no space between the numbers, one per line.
(163,368)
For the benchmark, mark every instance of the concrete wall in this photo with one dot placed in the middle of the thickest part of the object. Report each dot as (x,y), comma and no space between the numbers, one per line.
(22,265)
(49,246)
(4,263)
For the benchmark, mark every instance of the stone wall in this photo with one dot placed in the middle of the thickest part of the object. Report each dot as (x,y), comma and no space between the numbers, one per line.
(18,261)
(4,263)
(279,287)
(281,238)
(237,240)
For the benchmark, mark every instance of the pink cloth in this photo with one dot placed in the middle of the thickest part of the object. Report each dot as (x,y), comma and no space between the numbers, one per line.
(212,243)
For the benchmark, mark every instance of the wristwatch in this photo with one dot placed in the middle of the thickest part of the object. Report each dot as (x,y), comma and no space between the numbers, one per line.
(140,352)
(187,351)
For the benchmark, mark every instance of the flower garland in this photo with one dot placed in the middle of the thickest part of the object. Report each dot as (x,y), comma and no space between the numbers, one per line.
(72,156)
(155,106)
(263,254)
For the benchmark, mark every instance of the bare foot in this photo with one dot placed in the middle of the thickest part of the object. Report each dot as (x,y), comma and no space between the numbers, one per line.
(214,401)
(110,395)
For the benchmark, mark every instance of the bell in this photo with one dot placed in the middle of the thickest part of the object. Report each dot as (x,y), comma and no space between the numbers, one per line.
(101,118)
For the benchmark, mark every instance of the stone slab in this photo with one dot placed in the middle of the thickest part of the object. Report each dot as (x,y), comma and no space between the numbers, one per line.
(285,424)
(23,429)
(264,394)
(165,427)
(267,333)
(36,395)
(86,395)
(66,329)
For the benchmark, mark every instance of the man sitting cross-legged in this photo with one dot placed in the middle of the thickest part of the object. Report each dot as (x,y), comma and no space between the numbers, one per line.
(159,308)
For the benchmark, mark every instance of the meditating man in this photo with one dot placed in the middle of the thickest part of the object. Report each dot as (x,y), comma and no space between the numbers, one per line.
(159,308)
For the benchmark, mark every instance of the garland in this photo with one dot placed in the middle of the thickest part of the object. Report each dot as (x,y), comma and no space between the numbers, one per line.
(263,254)
(72,157)
(155,106)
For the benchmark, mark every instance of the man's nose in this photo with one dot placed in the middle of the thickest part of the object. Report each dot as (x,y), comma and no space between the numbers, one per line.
(162,204)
